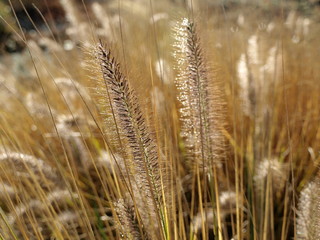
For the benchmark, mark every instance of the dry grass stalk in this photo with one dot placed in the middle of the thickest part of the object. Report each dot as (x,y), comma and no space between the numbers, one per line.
(199,94)
(141,144)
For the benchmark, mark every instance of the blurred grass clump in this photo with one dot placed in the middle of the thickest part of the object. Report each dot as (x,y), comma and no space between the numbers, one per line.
(5,12)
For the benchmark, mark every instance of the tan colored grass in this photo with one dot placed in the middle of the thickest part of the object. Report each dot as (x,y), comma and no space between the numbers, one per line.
(110,148)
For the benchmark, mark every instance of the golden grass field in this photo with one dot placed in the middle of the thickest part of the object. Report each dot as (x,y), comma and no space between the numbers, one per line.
(159,120)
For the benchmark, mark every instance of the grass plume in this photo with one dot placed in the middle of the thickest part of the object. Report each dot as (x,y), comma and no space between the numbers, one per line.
(142,145)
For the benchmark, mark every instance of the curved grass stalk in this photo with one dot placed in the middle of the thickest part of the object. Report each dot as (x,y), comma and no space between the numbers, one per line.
(141,144)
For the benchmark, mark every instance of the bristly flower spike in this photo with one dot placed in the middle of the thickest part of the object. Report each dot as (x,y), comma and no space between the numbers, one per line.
(141,143)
